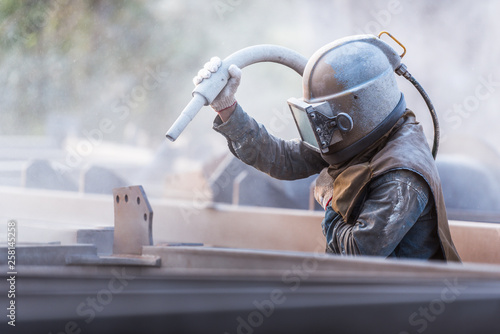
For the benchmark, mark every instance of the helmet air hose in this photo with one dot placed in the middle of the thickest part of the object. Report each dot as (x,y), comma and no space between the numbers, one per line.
(402,70)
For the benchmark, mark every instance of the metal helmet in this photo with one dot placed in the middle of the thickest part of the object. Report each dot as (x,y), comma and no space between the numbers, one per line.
(351,97)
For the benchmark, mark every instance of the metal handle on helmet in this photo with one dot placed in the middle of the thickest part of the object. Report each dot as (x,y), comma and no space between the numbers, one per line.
(395,40)
(209,88)
(344,122)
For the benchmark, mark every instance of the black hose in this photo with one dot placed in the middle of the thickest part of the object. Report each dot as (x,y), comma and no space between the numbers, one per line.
(432,111)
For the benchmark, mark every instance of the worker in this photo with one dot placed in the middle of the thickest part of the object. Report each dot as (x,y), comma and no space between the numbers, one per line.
(377,180)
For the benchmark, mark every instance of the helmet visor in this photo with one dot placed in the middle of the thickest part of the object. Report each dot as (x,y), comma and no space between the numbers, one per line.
(299,113)
(318,125)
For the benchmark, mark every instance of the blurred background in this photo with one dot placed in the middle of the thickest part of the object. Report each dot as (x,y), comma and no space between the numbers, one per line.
(89,88)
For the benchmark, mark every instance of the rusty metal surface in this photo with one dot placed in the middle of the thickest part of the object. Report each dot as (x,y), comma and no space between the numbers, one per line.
(477,242)
(309,293)
(149,305)
(207,223)
(133,220)
(189,289)
(318,265)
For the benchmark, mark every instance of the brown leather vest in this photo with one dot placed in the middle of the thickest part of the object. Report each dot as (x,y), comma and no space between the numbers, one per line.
(406,148)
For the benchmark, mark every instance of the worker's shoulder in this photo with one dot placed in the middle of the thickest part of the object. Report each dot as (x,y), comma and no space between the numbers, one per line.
(404,176)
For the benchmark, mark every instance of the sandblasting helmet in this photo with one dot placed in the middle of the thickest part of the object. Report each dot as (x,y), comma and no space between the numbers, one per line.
(351,97)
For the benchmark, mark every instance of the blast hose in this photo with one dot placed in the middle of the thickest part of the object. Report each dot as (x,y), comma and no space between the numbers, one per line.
(208,89)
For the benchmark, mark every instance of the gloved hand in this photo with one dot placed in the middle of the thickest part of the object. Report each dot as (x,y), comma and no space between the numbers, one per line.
(226,98)
(323,190)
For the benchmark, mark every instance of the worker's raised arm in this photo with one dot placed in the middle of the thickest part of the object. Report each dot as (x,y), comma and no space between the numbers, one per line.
(250,142)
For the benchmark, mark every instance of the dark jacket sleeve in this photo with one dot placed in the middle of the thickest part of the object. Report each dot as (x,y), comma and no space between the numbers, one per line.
(393,204)
(250,142)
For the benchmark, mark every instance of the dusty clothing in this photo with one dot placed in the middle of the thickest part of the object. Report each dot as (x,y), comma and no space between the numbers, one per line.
(394,220)
(250,142)
(387,203)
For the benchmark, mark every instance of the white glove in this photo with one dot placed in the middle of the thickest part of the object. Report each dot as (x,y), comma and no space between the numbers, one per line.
(323,189)
(226,98)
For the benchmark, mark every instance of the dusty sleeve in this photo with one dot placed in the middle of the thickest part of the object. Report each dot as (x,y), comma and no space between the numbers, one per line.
(250,142)
(392,206)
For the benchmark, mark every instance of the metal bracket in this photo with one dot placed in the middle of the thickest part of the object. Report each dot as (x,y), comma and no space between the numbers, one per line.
(325,127)
(133,230)
(133,221)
